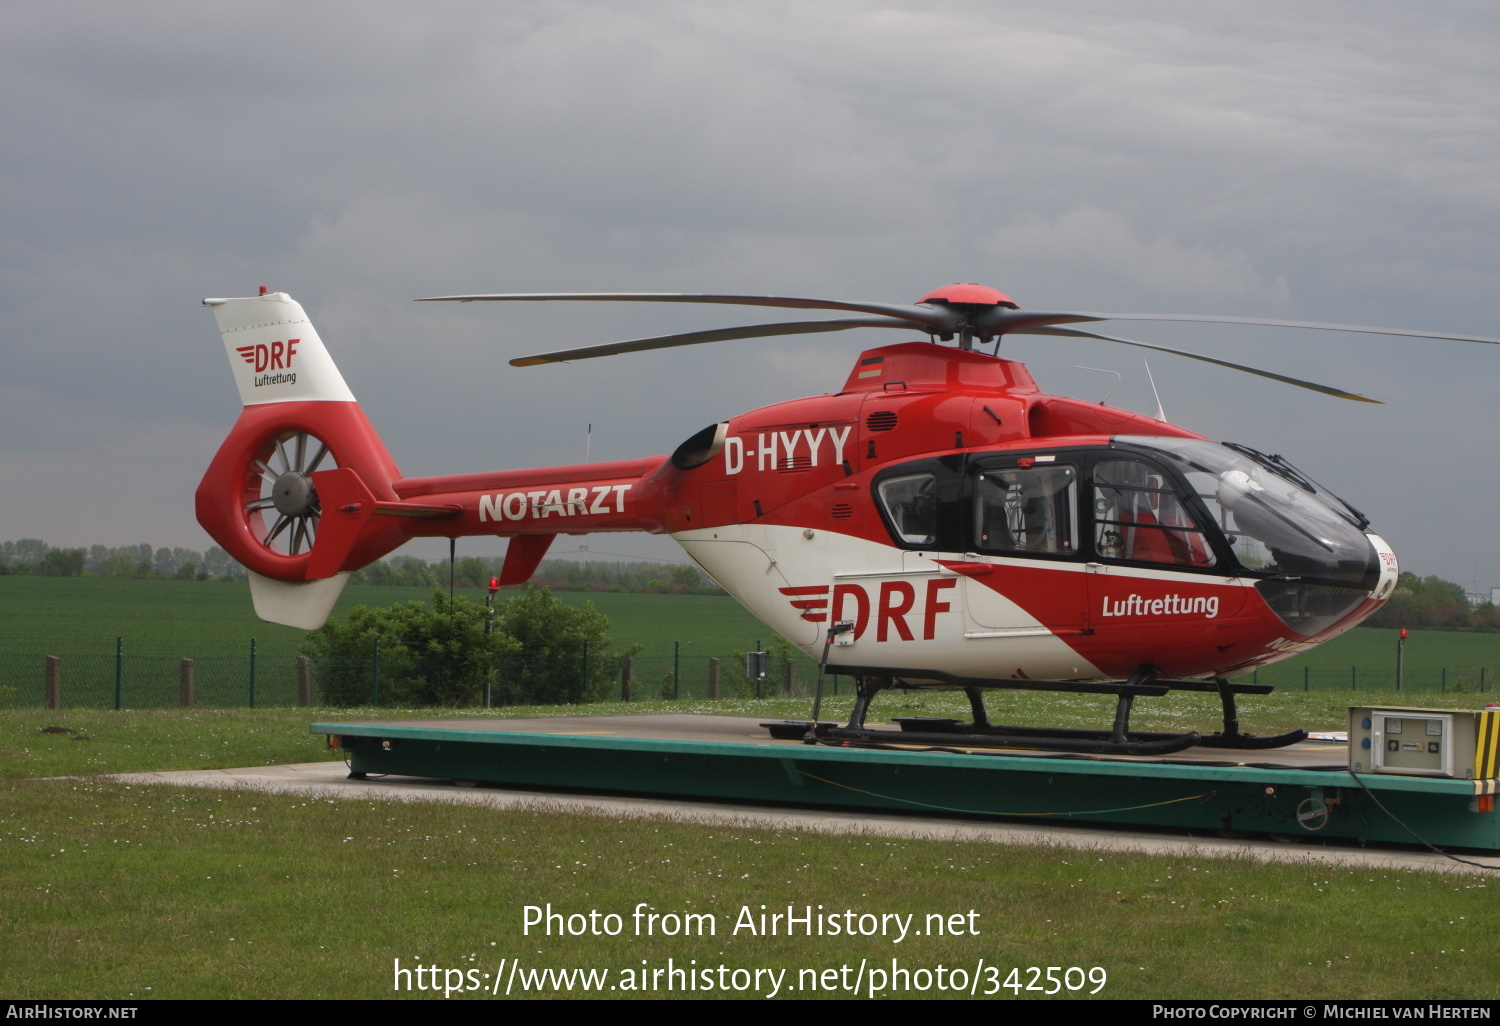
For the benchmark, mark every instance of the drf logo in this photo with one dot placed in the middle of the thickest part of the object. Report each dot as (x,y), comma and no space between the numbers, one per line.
(273,356)
(895,601)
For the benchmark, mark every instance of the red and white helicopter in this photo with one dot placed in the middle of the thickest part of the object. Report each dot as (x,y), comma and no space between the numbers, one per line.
(938,522)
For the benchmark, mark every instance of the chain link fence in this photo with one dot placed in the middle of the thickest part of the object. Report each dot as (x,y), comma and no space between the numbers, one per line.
(69,675)
(111,675)
(114,677)
(1376,678)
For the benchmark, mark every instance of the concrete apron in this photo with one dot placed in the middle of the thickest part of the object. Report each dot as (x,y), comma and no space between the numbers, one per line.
(330,780)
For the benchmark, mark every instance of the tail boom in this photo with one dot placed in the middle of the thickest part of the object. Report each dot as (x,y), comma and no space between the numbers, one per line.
(578,499)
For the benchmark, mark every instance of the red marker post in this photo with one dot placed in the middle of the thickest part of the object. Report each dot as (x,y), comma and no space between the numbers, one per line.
(489,627)
(1400,657)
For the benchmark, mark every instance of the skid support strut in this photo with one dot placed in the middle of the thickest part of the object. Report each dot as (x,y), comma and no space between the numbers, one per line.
(1232,737)
(1119,739)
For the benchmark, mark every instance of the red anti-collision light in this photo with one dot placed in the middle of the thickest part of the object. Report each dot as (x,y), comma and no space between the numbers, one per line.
(494,584)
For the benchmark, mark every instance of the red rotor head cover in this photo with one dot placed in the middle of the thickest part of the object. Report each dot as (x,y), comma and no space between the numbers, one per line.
(969,295)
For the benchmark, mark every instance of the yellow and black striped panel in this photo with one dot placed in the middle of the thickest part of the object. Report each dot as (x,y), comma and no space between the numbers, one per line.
(1487,748)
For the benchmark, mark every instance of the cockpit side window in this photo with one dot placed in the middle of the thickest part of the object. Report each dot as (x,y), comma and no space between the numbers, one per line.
(911,506)
(1251,552)
(1138,517)
(1027,509)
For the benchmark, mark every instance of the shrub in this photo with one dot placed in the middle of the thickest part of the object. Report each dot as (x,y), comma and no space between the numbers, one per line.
(546,666)
(429,655)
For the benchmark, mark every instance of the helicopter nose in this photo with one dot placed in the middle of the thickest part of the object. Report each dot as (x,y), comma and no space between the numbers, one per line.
(1390,570)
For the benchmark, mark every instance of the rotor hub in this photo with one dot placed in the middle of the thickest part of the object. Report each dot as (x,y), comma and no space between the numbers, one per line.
(293,494)
(969,295)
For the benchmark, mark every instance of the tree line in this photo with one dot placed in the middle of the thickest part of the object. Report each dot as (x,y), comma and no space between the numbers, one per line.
(1434,603)
(34,557)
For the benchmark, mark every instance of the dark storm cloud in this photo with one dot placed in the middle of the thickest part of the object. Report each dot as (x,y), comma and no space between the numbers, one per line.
(1325,162)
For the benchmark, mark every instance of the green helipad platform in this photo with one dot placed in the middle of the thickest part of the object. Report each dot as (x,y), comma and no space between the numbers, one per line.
(1305,790)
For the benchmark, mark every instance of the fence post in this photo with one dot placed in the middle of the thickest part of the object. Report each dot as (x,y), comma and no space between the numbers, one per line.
(185,684)
(676,667)
(119,671)
(304,682)
(789,677)
(1304,678)
(713,678)
(252,673)
(1353,679)
(52,686)
(375,692)
(627,674)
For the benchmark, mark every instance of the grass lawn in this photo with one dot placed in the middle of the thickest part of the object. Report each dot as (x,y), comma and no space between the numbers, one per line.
(119,891)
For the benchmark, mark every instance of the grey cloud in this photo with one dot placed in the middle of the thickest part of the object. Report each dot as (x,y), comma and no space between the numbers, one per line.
(1327,162)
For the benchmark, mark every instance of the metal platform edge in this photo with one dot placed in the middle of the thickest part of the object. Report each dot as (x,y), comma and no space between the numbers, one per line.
(1129,792)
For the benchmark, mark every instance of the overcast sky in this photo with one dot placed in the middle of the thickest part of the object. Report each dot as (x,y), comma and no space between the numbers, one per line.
(1320,161)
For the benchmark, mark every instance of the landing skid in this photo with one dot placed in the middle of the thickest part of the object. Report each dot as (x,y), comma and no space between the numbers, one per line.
(1119,739)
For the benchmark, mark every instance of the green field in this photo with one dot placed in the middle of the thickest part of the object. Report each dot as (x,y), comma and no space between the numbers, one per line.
(213,622)
(186,618)
(1365,658)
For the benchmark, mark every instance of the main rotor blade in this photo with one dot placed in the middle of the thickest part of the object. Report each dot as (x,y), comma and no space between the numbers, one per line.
(1080,333)
(926,315)
(1002,320)
(999,319)
(693,338)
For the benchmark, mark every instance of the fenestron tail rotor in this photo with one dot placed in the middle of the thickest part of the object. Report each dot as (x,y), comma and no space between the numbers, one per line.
(971,314)
(281,506)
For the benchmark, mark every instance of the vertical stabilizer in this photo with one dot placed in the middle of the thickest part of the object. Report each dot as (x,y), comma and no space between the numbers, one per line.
(275,352)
